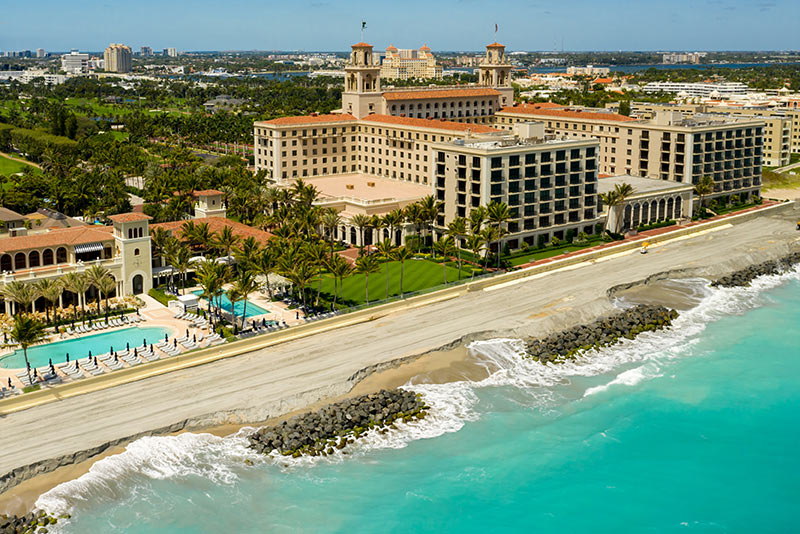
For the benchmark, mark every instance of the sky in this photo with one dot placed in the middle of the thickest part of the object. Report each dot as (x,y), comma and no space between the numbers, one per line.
(572,25)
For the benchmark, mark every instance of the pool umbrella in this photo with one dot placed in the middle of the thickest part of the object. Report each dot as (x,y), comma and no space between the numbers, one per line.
(76,365)
(110,349)
(9,382)
(29,365)
(95,361)
(127,346)
(151,347)
(175,342)
(5,337)
(263,322)
(134,352)
(68,357)
(166,338)
(144,342)
(90,354)
(50,362)
(187,332)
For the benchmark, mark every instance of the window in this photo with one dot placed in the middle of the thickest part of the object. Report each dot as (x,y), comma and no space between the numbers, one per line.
(136,252)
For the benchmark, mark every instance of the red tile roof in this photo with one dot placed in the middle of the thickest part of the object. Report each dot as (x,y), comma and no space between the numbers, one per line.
(437,124)
(392,48)
(425,48)
(206,193)
(57,237)
(129,217)
(568,114)
(495,45)
(216,224)
(311,119)
(441,93)
(603,80)
(362,44)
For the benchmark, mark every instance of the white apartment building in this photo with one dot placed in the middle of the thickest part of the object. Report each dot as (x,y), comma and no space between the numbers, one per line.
(410,63)
(697,90)
(117,58)
(75,63)
(589,70)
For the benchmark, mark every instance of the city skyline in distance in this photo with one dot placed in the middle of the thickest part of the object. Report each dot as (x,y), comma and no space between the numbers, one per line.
(451,25)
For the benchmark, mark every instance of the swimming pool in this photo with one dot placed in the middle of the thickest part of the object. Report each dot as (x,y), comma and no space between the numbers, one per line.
(225,304)
(40,355)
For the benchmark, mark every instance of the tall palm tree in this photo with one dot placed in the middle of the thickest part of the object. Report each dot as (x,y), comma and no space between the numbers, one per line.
(430,208)
(317,255)
(265,265)
(77,283)
(393,220)
(402,254)
(340,268)
(476,219)
(616,199)
(248,251)
(27,331)
(489,235)
(21,293)
(159,238)
(210,278)
(94,275)
(243,286)
(182,261)
(414,215)
(499,214)
(225,241)
(367,265)
(386,249)
(457,229)
(444,247)
(703,188)
(51,291)
(475,242)
(301,275)
(106,286)
(331,220)
(361,222)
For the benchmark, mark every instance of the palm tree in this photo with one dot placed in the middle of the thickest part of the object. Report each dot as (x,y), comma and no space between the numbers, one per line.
(159,238)
(247,253)
(182,261)
(20,293)
(77,283)
(475,242)
(225,240)
(392,220)
(703,188)
(457,229)
(402,254)
(445,248)
(367,265)
(362,222)
(243,286)
(27,331)
(386,249)
(51,291)
(615,199)
(210,279)
(265,265)
(429,208)
(489,235)
(499,214)
(317,255)
(106,286)
(476,219)
(414,215)
(94,275)
(340,268)
(331,220)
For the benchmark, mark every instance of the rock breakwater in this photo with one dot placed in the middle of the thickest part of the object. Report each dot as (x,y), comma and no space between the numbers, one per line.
(337,425)
(743,277)
(32,523)
(627,324)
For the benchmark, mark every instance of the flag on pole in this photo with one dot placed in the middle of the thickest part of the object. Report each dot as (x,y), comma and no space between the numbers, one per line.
(495,28)
(363,24)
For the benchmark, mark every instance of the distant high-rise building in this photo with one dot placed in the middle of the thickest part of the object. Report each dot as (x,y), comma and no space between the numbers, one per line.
(118,58)
(75,62)
(405,64)
(171,52)
(146,51)
(40,52)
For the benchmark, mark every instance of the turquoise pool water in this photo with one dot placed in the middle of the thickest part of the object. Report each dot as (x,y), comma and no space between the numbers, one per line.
(225,304)
(40,355)
(689,430)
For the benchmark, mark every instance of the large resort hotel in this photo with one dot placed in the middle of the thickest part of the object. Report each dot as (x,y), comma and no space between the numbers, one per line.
(468,145)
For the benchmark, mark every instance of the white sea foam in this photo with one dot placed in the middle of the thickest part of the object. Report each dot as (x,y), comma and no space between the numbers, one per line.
(453,405)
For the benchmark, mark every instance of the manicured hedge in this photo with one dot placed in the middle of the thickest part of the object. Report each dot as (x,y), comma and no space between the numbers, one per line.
(34,142)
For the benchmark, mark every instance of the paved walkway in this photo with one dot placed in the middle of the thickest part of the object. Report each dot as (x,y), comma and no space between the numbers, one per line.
(786,168)
(15,158)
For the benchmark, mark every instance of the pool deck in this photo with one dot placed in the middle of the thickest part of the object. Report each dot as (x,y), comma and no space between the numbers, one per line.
(157,315)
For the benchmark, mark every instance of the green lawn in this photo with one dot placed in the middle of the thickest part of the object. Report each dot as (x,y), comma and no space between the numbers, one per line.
(417,274)
(9,166)
(548,253)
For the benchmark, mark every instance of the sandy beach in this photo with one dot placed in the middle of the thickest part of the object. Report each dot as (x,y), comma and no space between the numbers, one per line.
(265,385)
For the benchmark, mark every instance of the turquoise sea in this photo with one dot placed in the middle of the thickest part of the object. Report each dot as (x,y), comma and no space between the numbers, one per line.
(689,430)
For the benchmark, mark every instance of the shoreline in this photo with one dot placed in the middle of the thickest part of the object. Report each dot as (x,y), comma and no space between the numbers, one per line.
(451,362)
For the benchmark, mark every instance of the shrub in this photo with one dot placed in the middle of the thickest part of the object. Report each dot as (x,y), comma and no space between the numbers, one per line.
(555,241)
(161,297)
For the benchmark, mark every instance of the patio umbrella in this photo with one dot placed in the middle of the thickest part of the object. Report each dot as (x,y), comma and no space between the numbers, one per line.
(68,357)
(175,342)
(110,349)
(9,382)
(90,354)
(50,362)
(144,342)
(115,357)
(134,352)
(151,347)
(127,346)
(187,332)
(95,361)
(263,322)
(5,337)
(166,338)
(194,339)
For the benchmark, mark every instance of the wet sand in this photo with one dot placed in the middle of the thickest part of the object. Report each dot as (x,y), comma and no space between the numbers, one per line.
(672,293)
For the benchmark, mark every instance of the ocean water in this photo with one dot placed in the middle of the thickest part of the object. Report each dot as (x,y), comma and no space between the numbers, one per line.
(694,429)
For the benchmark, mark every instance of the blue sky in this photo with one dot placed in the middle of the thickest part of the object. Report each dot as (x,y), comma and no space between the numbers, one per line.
(442,24)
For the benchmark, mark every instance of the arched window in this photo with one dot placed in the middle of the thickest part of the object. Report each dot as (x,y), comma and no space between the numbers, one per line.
(626,220)
(130,233)
(136,252)
(645,212)
(33,259)
(678,207)
(636,214)
(61,255)
(653,211)
(661,206)
(141,232)
(5,263)
(670,207)
(47,257)
(19,260)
